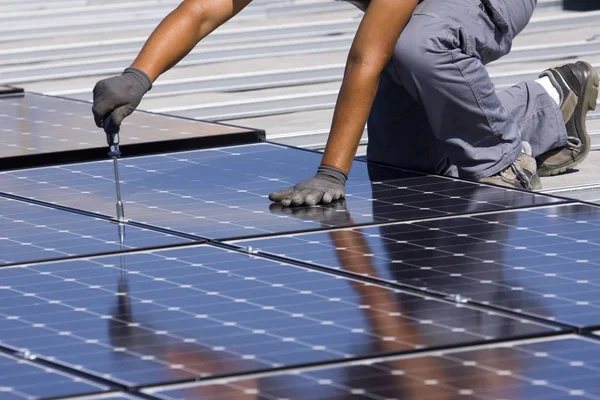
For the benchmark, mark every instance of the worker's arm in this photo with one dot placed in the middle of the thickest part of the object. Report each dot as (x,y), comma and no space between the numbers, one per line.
(170,42)
(371,51)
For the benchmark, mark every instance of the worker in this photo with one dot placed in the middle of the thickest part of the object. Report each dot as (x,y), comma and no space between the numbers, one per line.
(415,74)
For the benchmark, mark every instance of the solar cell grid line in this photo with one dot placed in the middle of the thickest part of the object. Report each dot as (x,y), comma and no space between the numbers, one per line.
(537,369)
(23,379)
(30,232)
(222,193)
(201,312)
(44,130)
(541,262)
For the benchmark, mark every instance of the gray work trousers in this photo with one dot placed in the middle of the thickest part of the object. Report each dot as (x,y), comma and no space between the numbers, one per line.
(436,108)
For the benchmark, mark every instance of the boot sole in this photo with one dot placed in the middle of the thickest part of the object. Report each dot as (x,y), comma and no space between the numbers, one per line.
(588,103)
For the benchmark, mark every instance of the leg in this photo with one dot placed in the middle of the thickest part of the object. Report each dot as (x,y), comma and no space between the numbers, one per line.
(400,135)
(557,134)
(439,59)
(537,115)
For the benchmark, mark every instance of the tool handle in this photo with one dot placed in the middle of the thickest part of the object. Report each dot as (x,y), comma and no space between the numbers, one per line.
(112,137)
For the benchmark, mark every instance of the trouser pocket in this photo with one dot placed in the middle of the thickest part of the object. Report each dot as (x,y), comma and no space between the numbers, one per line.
(494,12)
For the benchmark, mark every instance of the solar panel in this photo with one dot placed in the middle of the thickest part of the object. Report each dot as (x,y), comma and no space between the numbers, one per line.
(542,262)
(222,193)
(567,367)
(161,316)
(21,379)
(30,232)
(44,130)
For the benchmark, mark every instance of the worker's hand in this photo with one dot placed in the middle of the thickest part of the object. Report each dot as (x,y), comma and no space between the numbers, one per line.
(119,96)
(327,185)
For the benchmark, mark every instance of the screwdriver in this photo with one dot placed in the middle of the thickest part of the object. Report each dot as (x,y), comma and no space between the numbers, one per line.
(112,138)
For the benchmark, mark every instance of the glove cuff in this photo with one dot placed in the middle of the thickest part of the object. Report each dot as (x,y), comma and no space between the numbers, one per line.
(333,174)
(141,76)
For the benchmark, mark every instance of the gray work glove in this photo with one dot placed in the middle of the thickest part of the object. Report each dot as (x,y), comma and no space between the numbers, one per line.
(327,185)
(119,96)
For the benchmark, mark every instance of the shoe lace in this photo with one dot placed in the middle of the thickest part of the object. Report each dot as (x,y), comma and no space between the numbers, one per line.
(521,175)
(573,143)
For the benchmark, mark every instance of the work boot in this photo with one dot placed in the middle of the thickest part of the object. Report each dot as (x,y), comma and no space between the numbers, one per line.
(521,174)
(577,85)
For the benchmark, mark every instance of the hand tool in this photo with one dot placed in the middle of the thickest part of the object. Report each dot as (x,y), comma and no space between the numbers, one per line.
(112,138)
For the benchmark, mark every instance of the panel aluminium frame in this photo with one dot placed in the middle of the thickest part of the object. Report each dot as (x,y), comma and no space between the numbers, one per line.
(10,91)
(40,130)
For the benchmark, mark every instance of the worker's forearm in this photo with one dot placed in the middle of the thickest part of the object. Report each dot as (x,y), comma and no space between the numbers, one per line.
(181,31)
(350,117)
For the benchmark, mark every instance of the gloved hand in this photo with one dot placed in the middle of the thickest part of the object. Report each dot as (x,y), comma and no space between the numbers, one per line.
(119,96)
(327,185)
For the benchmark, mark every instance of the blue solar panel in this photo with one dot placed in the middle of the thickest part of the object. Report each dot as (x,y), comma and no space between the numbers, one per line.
(45,130)
(21,379)
(550,370)
(222,193)
(542,262)
(200,311)
(30,232)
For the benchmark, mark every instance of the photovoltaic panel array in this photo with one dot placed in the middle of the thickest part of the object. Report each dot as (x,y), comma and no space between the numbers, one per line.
(42,130)
(544,262)
(21,379)
(161,316)
(30,232)
(223,193)
(557,369)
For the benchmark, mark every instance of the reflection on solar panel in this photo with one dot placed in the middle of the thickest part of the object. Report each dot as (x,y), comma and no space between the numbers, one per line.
(542,369)
(103,323)
(29,232)
(39,130)
(20,379)
(542,261)
(160,316)
(222,193)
